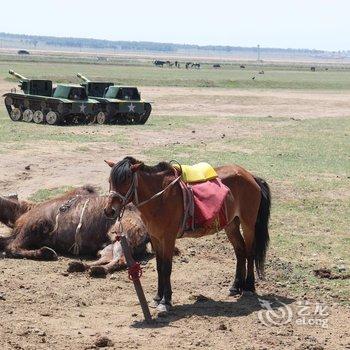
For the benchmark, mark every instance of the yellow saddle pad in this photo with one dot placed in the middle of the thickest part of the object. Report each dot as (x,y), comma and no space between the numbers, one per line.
(197,173)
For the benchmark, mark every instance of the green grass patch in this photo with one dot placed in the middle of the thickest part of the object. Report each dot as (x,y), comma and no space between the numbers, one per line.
(143,73)
(14,133)
(46,194)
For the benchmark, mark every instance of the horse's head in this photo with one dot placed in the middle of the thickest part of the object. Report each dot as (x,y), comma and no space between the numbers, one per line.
(11,208)
(122,186)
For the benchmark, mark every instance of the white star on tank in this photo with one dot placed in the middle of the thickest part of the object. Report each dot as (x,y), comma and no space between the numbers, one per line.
(82,108)
(131,107)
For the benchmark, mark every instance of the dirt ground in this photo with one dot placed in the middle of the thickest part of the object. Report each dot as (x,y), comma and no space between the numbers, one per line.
(248,103)
(42,307)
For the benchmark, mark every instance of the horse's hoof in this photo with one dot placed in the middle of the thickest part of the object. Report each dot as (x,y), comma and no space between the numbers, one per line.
(98,272)
(48,254)
(76,266)
(163,308)
(153,304)
(235,292)
(248,293)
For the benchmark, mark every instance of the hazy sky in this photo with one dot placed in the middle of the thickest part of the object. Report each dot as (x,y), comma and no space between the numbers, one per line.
(319,24)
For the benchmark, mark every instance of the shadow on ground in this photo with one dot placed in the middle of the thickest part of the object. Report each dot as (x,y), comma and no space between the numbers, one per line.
(243,306)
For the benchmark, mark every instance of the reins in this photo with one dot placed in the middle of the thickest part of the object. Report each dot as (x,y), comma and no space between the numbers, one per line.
(132,192)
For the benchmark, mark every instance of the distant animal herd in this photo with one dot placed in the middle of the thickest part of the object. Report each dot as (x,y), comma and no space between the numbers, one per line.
(177,64)
(196,65)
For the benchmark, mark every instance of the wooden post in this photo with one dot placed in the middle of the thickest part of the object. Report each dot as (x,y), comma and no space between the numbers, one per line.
(137,283)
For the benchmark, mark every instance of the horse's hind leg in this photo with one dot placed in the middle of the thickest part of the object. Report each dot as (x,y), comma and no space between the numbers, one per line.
(234,235)
(44,253)
(79,266)
(249,234)
(103,260)
(104,270)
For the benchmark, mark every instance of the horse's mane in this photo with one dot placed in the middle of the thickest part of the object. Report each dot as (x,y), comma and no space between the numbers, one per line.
(122,170)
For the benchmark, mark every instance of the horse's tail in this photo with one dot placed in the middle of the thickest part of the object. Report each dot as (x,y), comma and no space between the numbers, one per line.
(261,226)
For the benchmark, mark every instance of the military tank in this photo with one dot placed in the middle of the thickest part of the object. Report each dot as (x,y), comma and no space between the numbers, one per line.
(119,104)
(40,102)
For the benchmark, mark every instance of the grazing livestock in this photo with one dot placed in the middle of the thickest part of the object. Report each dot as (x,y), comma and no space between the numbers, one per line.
(192,65)
(159,63)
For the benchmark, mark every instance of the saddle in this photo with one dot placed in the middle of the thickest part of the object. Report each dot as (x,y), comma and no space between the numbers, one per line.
(203,197)
(200,172)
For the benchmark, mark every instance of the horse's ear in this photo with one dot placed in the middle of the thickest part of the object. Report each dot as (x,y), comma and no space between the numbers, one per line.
(110,163)
(135,167)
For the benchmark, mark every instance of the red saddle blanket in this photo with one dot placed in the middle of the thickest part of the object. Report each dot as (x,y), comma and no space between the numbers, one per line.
(204,204)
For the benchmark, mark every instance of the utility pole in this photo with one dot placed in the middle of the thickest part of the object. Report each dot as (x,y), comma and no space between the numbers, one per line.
(258,53)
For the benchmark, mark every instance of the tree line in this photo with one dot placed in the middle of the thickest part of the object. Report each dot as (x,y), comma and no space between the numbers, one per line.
(34,40)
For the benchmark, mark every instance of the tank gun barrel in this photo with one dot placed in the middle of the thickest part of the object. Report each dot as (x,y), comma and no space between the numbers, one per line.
(82,77)
(18,76)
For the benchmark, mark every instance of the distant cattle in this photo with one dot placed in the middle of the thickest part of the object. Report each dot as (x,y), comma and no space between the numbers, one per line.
(192,65)
(242,66)
(216,65)
(313,69)
(261,72)
(23,52)
(158,63)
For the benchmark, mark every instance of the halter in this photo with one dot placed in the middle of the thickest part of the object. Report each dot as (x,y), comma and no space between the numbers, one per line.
(132,192)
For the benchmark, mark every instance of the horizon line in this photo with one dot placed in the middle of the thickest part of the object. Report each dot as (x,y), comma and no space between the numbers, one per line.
(198,46)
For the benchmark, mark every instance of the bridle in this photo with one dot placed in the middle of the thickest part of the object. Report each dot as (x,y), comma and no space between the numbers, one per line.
(131,194)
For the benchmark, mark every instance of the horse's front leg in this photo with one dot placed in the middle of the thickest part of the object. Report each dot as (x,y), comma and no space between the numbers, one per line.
(166,267)
(160,289)
(165,302)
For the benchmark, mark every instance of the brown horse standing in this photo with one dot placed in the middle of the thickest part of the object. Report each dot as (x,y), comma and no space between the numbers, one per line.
(159,197)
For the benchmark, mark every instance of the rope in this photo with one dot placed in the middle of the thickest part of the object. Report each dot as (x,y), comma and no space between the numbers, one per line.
(159,193)
(77,244)
(188,203)
(132,191)
(134,271)
(62,209)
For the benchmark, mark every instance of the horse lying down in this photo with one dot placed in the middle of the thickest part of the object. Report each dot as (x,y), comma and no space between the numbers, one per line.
(111,257)
(73,223)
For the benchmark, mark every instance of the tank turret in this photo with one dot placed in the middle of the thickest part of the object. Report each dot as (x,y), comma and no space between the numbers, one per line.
(33,86)
(18,76)
(94,88)
(23,81)
(83,78)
